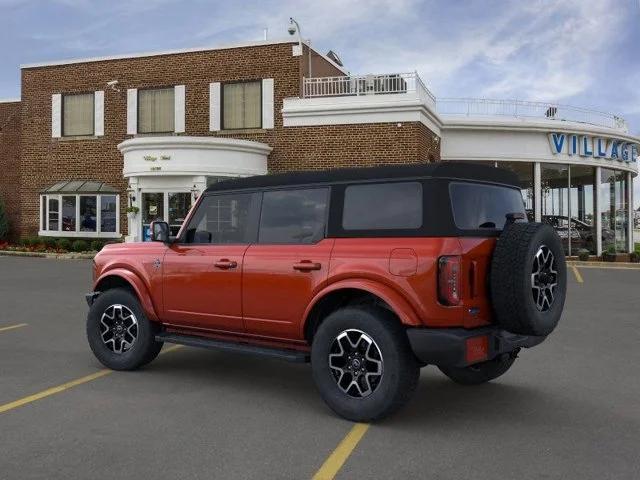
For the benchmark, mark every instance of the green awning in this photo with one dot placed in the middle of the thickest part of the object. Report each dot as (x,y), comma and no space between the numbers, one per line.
(80,186)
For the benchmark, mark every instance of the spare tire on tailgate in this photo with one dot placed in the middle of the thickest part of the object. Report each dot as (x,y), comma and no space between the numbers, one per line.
(528,279)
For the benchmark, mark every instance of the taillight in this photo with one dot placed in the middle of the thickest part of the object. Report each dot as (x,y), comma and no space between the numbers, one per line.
(449,280)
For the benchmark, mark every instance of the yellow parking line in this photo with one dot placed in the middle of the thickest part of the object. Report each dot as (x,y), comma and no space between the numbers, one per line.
(577,274)
(11,327)
(333,464)
(65,386)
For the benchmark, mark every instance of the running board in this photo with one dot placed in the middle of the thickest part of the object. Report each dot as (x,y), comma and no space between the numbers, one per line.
(236,347)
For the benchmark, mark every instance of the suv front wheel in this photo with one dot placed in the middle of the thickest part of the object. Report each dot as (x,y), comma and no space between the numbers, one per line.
(362,363)
(119,333)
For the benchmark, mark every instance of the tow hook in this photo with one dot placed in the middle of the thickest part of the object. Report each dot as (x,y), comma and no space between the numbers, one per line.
(514,353)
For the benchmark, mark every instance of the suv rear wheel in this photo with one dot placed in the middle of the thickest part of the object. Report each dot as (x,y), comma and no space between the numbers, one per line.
(362,363)
(119,333)
(480,372)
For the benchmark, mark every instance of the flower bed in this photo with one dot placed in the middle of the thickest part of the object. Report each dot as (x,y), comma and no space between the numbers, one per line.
(53,245)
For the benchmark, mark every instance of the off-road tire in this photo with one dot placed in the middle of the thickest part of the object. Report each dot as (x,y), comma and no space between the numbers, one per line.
(400,370)
(512,295)
(144,349)
(481,372)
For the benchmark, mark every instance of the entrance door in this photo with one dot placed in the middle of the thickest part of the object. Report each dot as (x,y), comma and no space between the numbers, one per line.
(170,207)
(289,264)
(202,271)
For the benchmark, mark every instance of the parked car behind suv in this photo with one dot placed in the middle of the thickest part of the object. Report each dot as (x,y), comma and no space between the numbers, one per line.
(368,273)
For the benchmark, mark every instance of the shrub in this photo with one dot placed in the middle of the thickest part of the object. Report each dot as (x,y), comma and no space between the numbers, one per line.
(49,242)
(634,257)
(4,222)
(96,245)
(583,254)
(79,246)
(64,244)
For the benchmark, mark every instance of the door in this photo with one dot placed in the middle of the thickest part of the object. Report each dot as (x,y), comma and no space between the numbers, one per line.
(289,264)
(203,268)
(170,207)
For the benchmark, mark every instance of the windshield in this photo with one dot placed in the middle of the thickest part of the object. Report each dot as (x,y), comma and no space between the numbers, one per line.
(478,206)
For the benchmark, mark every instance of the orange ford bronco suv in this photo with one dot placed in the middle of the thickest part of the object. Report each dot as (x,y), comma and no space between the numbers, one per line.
(367,273)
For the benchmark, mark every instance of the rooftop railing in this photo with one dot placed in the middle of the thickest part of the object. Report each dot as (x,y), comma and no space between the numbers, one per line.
(523,109)
(357,85)
(403,83)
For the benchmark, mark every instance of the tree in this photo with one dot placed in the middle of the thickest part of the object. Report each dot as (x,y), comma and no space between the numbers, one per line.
(4,222)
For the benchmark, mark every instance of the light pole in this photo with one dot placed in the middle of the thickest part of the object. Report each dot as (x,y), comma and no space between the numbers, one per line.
(294,27)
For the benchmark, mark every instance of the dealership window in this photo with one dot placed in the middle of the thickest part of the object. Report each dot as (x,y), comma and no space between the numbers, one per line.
(80,209)
(554,181)
(242,105)
(581,207)
(156,110)
(78,114)
(614,190)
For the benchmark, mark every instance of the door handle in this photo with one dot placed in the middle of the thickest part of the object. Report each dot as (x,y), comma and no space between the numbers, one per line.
(306,266)
(225,264)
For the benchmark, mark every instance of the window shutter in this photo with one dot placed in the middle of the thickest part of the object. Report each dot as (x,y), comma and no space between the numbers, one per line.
(56,115)
(214,107)
(132,111)
(98,111)
(267,103)
(179,110)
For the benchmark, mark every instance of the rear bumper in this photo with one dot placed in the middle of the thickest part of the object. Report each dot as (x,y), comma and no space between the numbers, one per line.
(454,347)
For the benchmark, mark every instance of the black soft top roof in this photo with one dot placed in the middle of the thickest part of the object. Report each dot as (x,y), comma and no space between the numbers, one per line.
(452,170)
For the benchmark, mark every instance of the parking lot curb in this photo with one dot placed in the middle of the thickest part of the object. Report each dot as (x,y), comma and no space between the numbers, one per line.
(611,265)
(57,256)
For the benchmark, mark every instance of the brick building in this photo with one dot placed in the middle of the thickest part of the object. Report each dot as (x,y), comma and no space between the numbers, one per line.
(152,130)
(92,138)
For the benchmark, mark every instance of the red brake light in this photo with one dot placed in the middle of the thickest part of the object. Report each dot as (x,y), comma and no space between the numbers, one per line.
(449,280)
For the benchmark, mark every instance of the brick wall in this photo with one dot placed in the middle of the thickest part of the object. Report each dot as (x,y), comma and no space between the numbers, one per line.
(9,161)
(45,161)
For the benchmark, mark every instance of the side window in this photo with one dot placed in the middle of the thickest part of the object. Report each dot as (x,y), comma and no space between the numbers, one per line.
(293,216)
(221,219)
(383,206)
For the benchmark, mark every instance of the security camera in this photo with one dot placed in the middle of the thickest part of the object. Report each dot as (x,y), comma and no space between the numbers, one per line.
(291,29)
(112,85)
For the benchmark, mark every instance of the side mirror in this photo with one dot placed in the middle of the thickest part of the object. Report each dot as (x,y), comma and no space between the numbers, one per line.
(160,232)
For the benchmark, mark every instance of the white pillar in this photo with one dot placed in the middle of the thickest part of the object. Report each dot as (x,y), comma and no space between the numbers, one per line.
(598,213)
(630,212)
(537,192)
(133,221)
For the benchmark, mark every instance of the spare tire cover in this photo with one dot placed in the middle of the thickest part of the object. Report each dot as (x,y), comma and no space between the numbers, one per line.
(528,279)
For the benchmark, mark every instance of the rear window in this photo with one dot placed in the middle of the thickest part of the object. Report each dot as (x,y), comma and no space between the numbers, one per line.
(477,206)
(383,206)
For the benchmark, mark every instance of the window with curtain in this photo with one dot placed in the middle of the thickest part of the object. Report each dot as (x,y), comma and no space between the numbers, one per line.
(156,110)
(242,105)
(77,114)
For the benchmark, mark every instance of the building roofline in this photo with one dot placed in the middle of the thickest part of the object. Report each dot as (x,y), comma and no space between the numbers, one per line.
(10,100)
(126,56)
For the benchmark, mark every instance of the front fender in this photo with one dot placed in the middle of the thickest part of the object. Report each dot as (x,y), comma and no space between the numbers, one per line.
(398,304)
(141,290)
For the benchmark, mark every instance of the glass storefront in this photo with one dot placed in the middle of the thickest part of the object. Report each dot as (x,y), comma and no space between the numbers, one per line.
(582,208)
(614,191)
(569,198)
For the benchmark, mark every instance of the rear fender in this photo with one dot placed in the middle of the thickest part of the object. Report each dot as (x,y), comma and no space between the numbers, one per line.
(406,314)
(136,283)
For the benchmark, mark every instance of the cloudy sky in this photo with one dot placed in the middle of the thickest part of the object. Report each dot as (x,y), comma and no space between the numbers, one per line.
(582,52)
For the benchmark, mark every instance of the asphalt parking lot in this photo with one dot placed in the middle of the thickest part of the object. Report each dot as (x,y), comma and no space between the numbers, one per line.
(568,409)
